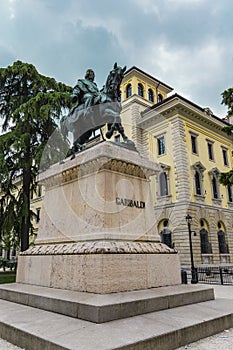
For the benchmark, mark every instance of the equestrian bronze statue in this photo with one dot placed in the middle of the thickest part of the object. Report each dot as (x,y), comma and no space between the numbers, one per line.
(92,109)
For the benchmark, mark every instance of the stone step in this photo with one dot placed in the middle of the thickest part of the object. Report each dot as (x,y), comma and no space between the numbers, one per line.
(101,308)
(32,328)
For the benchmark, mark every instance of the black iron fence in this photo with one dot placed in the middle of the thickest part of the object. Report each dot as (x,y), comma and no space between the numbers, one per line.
(215,275)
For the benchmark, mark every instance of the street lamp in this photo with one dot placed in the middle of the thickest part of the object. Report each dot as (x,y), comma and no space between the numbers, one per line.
(193,270)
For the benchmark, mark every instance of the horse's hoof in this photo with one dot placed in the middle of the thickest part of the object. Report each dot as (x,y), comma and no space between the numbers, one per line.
(108,134)
(72,157)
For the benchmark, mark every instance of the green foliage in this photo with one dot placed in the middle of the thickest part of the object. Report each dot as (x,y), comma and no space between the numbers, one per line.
(7,264)
(228,129)
(30,108)
(227,99)
(226,178)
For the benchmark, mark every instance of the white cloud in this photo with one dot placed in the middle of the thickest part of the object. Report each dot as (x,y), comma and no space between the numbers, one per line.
(185,43)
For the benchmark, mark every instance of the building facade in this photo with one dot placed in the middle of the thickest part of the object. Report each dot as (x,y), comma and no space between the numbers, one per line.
(192,150)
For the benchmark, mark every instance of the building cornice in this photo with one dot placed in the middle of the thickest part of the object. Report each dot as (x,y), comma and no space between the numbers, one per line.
(135,71)
(178,104)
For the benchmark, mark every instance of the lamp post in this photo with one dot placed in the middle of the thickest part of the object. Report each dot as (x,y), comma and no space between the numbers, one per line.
(194,275)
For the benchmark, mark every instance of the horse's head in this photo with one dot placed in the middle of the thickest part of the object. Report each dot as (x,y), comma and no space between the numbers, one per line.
(113,82)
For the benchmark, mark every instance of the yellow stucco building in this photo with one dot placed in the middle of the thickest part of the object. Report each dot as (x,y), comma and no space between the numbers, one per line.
(192,150)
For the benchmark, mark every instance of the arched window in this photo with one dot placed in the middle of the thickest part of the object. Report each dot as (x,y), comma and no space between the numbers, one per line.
(160,98)
(197,182)
(205,244)
(222,244)
(163,184)
(214,187)
(140,90)
(166,234)
(150,95)
(128,90)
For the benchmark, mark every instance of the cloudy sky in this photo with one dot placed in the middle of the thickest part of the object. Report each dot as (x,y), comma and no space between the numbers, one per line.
(188,44)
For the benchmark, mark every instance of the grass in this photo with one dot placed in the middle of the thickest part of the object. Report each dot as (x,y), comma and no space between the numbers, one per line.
(7,277)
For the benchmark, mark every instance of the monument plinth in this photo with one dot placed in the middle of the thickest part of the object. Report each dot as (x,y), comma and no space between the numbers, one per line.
(98,230)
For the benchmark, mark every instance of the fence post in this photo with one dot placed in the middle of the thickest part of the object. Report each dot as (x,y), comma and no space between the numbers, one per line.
(221,276)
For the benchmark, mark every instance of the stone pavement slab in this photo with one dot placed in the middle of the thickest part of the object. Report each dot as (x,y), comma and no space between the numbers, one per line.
(33,328)
(223,340)
(101,308)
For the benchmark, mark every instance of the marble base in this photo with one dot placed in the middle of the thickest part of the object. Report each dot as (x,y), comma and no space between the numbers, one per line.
(98,229)
(103,193)
(100,273)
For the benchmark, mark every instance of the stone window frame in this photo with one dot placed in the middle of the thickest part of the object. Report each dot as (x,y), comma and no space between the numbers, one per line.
(207,258)
(223,242)
(39,190)
(164,168)
(161,147)
(128,90)
(159,98)
(205,244)
(229,191)
(225,156)
(163,192)
(214,176)
(210,143)
(166,232)
(150,95)
(197,181)
(193,142)
(38,212)
(140,90)
(200,169)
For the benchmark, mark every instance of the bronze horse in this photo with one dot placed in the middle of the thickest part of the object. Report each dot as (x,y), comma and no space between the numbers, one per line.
(81,122)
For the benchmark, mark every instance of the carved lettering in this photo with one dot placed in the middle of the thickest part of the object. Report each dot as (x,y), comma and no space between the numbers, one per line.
(130,203)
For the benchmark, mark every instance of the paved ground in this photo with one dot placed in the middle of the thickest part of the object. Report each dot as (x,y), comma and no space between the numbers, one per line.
(221,341)
(4,345)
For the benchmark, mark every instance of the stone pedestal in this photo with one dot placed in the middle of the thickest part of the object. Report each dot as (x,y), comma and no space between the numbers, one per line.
(98,230)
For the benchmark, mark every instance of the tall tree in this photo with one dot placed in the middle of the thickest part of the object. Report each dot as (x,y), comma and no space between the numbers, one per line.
(227,99)
(30,107)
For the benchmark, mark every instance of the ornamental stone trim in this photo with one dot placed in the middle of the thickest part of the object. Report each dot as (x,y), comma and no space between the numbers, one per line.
(98,165)
(100,247)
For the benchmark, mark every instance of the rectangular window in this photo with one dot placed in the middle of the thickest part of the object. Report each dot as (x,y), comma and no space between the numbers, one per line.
(194,144)
(225,157)
(39,188)
(214,188)
(161,145)
(229,191)
(37,215)
(210,151)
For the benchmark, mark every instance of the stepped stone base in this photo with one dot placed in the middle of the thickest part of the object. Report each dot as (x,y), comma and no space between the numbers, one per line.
(174,326)
(100,273)
(103,308)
